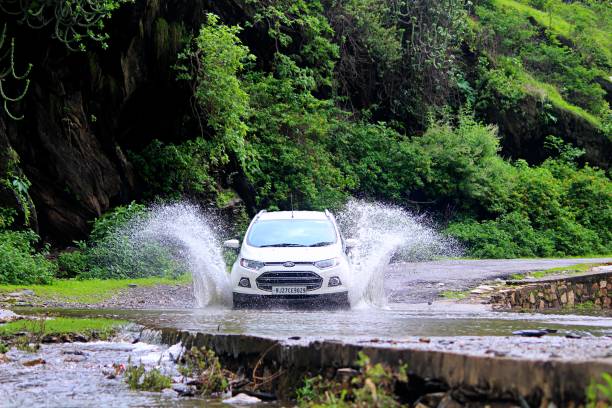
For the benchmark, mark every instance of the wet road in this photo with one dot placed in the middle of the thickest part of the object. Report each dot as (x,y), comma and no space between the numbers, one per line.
(421,282)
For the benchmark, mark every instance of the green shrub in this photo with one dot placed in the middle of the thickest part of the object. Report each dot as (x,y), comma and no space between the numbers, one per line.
(138,378)
(115,219)
(204,365)
(72,264)
(553,209)
(173,172)
(599,394)
(19,262)
(465,170)
(509,236)
(115,253)
(373,386)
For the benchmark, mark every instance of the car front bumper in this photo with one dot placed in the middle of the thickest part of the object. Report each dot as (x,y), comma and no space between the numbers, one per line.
(336,300)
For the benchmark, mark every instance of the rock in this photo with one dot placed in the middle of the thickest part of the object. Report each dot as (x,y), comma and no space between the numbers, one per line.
(75,359)
(14,294)
(424,340)
(23,304)
(34,362)
(430,400)
(169,392)
(132,285)
(80,338)
(346,374)
(530,333)
(4,358)
(184,390)
(242,399)
(28,292)
(74,352)
(8,316)
(449,402)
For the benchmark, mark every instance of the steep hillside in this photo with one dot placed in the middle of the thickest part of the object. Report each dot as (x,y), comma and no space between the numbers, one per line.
(245,105)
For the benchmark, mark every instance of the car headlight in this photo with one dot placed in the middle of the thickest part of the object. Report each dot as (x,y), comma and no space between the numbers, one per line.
(327,263)
(254,265)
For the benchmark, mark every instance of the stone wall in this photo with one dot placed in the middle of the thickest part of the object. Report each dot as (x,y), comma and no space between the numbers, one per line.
(556,293)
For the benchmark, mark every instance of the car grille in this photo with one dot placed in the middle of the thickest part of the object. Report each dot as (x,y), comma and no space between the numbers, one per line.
(311,280)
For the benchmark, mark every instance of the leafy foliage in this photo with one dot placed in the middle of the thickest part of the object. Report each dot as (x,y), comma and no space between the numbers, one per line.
(204,365)
(373,386)
(177,171)
(599,393)
(112,253)
(138,378)
(19,262)
(213,63)
(553,210)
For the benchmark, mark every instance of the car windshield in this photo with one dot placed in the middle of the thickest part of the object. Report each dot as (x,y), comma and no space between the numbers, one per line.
(292,233)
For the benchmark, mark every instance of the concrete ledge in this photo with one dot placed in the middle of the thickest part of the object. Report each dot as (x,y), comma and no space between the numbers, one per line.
(537,381)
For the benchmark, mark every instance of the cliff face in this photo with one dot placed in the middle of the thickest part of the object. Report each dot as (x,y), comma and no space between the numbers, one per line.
(83,110)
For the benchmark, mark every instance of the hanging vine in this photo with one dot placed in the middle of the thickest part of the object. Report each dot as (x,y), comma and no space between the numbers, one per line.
(7,60)
(72,22)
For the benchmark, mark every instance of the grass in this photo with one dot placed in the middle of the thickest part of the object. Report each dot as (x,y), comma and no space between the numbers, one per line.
(564,20)
(62,325)
(89,291)
(454,294)
(549,92)
(561,270)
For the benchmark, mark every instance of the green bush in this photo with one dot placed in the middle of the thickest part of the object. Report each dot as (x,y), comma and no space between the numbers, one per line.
(465,170)
(72,264)
(174,172)
(112,221)
(19,262)
(115,253)
(554,209)
(509,236)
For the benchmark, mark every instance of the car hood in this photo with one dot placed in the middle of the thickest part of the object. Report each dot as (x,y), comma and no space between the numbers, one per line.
(293,254)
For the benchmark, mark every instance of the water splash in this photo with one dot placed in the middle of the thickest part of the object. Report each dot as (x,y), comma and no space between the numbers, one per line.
(192,237)
(385,232)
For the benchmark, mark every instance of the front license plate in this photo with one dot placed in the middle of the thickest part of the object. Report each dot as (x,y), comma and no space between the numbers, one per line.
(288,290)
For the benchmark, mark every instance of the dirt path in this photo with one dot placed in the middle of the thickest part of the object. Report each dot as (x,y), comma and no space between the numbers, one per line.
(422,282)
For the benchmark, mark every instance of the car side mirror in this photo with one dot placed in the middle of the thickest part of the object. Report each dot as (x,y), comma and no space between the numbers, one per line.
(350,243)
(232,243)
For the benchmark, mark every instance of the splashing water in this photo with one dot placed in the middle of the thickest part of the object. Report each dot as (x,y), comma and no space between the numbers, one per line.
(384,232)
(184,227)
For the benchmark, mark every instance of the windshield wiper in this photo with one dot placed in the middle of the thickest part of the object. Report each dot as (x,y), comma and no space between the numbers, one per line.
(282,245)
(320,244)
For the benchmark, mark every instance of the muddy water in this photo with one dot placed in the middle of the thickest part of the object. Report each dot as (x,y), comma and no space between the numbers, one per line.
(440,319)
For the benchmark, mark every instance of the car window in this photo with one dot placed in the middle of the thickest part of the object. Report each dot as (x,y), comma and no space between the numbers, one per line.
(292,232)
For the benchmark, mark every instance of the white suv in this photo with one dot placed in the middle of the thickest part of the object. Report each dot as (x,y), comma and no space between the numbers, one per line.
(291,258)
